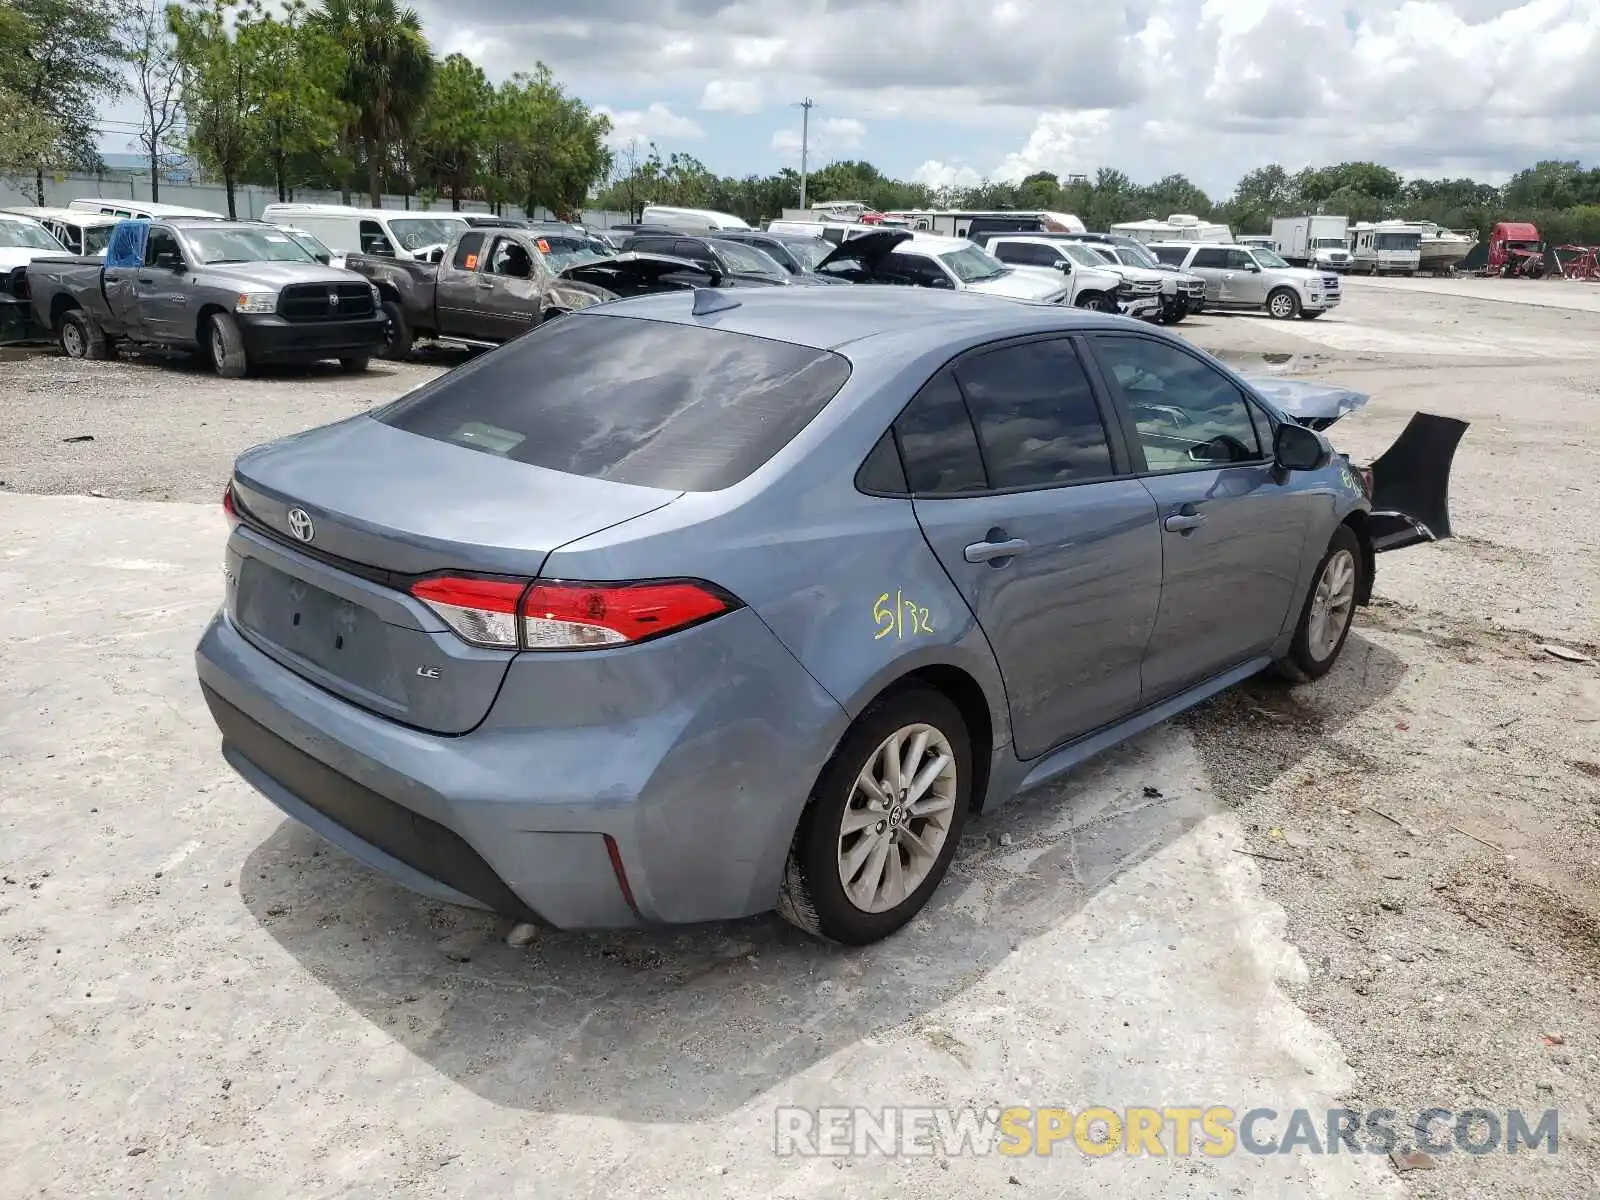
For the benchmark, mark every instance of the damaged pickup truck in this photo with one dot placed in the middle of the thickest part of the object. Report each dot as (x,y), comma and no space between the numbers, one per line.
(491,284)
(237,293)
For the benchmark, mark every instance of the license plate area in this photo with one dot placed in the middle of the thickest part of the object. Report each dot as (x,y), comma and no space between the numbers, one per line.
(337,636)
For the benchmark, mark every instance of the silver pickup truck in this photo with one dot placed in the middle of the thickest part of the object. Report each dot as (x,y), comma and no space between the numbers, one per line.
(240,293)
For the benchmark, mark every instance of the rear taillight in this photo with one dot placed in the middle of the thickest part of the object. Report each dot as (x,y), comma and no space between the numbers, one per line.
(567,615)
(228,508)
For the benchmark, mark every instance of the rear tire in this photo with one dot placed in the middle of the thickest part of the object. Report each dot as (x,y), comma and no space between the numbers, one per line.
(396,333)
(228,358)
(1329,610)
(894,860)
(354,364)
(1283,304)
(82,337)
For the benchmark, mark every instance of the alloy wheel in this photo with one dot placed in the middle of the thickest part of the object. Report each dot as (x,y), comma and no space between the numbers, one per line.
(1332,605)
(898,817)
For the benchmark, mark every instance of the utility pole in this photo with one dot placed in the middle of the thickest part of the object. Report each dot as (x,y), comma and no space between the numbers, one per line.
(805,143)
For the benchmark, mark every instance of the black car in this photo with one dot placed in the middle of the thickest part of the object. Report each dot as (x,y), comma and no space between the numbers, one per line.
(730,259)
(796,253)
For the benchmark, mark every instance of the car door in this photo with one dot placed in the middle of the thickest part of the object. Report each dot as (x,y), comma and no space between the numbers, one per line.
(1232,534)
(1211,264)
(163,304)
(1019,482)
(1243,281)
(509,306)
(460,286)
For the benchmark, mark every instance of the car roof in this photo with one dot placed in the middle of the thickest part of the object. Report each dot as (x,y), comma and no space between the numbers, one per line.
(917,319)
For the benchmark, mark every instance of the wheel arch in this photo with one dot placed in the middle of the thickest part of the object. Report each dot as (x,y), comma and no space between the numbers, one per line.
(203,319)
(60,306)
(1356,519)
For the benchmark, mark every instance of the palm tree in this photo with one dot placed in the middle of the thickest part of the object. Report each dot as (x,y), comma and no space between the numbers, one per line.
(387,68)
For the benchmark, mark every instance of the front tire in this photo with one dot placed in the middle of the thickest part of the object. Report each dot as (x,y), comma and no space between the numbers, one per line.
(883,820)
(1097,302)
(228,358)
(396,333)
(354,364)
(1283,304)
(1329,611)
(1312,316)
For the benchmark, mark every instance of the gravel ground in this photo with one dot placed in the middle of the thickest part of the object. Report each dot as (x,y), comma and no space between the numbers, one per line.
(1429,814)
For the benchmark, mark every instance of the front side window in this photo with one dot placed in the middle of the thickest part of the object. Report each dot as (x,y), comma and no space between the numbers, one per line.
(1036,415)
(653,403)
(1188,414)
(914,268)
(161,249)
(510,258)
(467,251)
(1239,260)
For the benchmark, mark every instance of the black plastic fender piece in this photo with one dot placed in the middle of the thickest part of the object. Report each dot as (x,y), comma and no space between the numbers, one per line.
(1411,483)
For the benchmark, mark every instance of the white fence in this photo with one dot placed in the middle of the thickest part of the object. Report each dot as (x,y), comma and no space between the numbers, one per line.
(17,188)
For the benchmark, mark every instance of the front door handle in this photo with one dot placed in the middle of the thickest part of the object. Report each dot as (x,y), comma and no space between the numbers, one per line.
(989,551)
(142,279)
(1186,520)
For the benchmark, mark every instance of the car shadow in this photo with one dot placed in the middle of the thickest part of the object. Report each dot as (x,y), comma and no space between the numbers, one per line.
(685,1024)
(182,362)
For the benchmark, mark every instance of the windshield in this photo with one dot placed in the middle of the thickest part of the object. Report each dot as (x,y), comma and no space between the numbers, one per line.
(415,233)
(1397,241)
(749,261)
(971,264)
(809,251)
(1267,258)
(1081,254)
(1329,243)
(1134,254)
(562,251)
(309,243)
(244,245)
(28,235)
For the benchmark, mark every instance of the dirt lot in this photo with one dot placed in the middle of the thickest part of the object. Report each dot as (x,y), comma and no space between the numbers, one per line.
(203,1000)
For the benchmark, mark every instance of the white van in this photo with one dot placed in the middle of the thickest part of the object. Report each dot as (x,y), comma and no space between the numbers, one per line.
(691,220)
(82,233)
(382,232)
(137,210)
(836,232)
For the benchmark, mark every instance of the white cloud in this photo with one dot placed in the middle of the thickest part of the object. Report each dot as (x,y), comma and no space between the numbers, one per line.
(731,95)
(829,137)
(1210,88)
(657,123)
(936,174)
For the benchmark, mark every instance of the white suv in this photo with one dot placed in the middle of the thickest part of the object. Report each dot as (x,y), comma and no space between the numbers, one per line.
(923,260)
(1241,277)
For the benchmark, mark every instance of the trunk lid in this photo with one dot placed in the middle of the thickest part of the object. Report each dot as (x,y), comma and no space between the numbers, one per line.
(338,522)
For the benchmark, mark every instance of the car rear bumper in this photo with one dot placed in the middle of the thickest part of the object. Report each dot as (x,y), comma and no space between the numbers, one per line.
(269,338)
(689,793)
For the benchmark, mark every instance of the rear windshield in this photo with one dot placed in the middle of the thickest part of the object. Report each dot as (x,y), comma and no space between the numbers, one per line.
(644,402)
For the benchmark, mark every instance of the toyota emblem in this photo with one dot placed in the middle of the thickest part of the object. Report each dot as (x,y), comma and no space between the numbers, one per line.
(300,524)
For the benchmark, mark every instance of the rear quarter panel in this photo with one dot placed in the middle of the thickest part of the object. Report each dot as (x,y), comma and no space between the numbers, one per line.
(78,279)
(412,283)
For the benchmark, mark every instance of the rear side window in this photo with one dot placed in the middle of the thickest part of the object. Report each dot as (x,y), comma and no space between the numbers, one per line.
(1037,419)
(643,402)
(1211,256)
(937,441)
(467,251)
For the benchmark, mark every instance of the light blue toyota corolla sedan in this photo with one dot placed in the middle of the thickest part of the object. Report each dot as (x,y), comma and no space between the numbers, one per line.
(699,605)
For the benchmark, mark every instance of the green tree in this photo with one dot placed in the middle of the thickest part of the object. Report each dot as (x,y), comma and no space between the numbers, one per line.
(454,130)
(220,89)
(386,69)
(65,57)
(295,115)
(153,64)
(556,147)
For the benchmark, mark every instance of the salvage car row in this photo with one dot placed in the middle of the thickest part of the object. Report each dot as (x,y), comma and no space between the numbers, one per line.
(322,281)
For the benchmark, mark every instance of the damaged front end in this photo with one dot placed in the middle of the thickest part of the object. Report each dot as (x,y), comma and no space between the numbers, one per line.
(1408,485)
(18,326)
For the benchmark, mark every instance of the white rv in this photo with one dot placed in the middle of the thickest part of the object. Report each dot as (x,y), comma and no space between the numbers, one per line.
(1386,247)
(949,222)
(406,235)
(1179,227)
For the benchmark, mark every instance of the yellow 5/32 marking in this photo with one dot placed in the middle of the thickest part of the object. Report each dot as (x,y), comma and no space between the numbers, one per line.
(902,618)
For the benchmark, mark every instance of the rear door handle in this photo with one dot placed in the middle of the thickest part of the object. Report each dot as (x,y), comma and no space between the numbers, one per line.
(486,283)
(982,552)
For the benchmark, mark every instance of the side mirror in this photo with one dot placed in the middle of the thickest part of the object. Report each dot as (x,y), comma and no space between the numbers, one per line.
(324,259)
(1065,266)
(941,281)
(1254,268)
(1296,448)
(436,255)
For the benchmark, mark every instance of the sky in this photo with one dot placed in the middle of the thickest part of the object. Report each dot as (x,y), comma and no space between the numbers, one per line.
(952,91)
